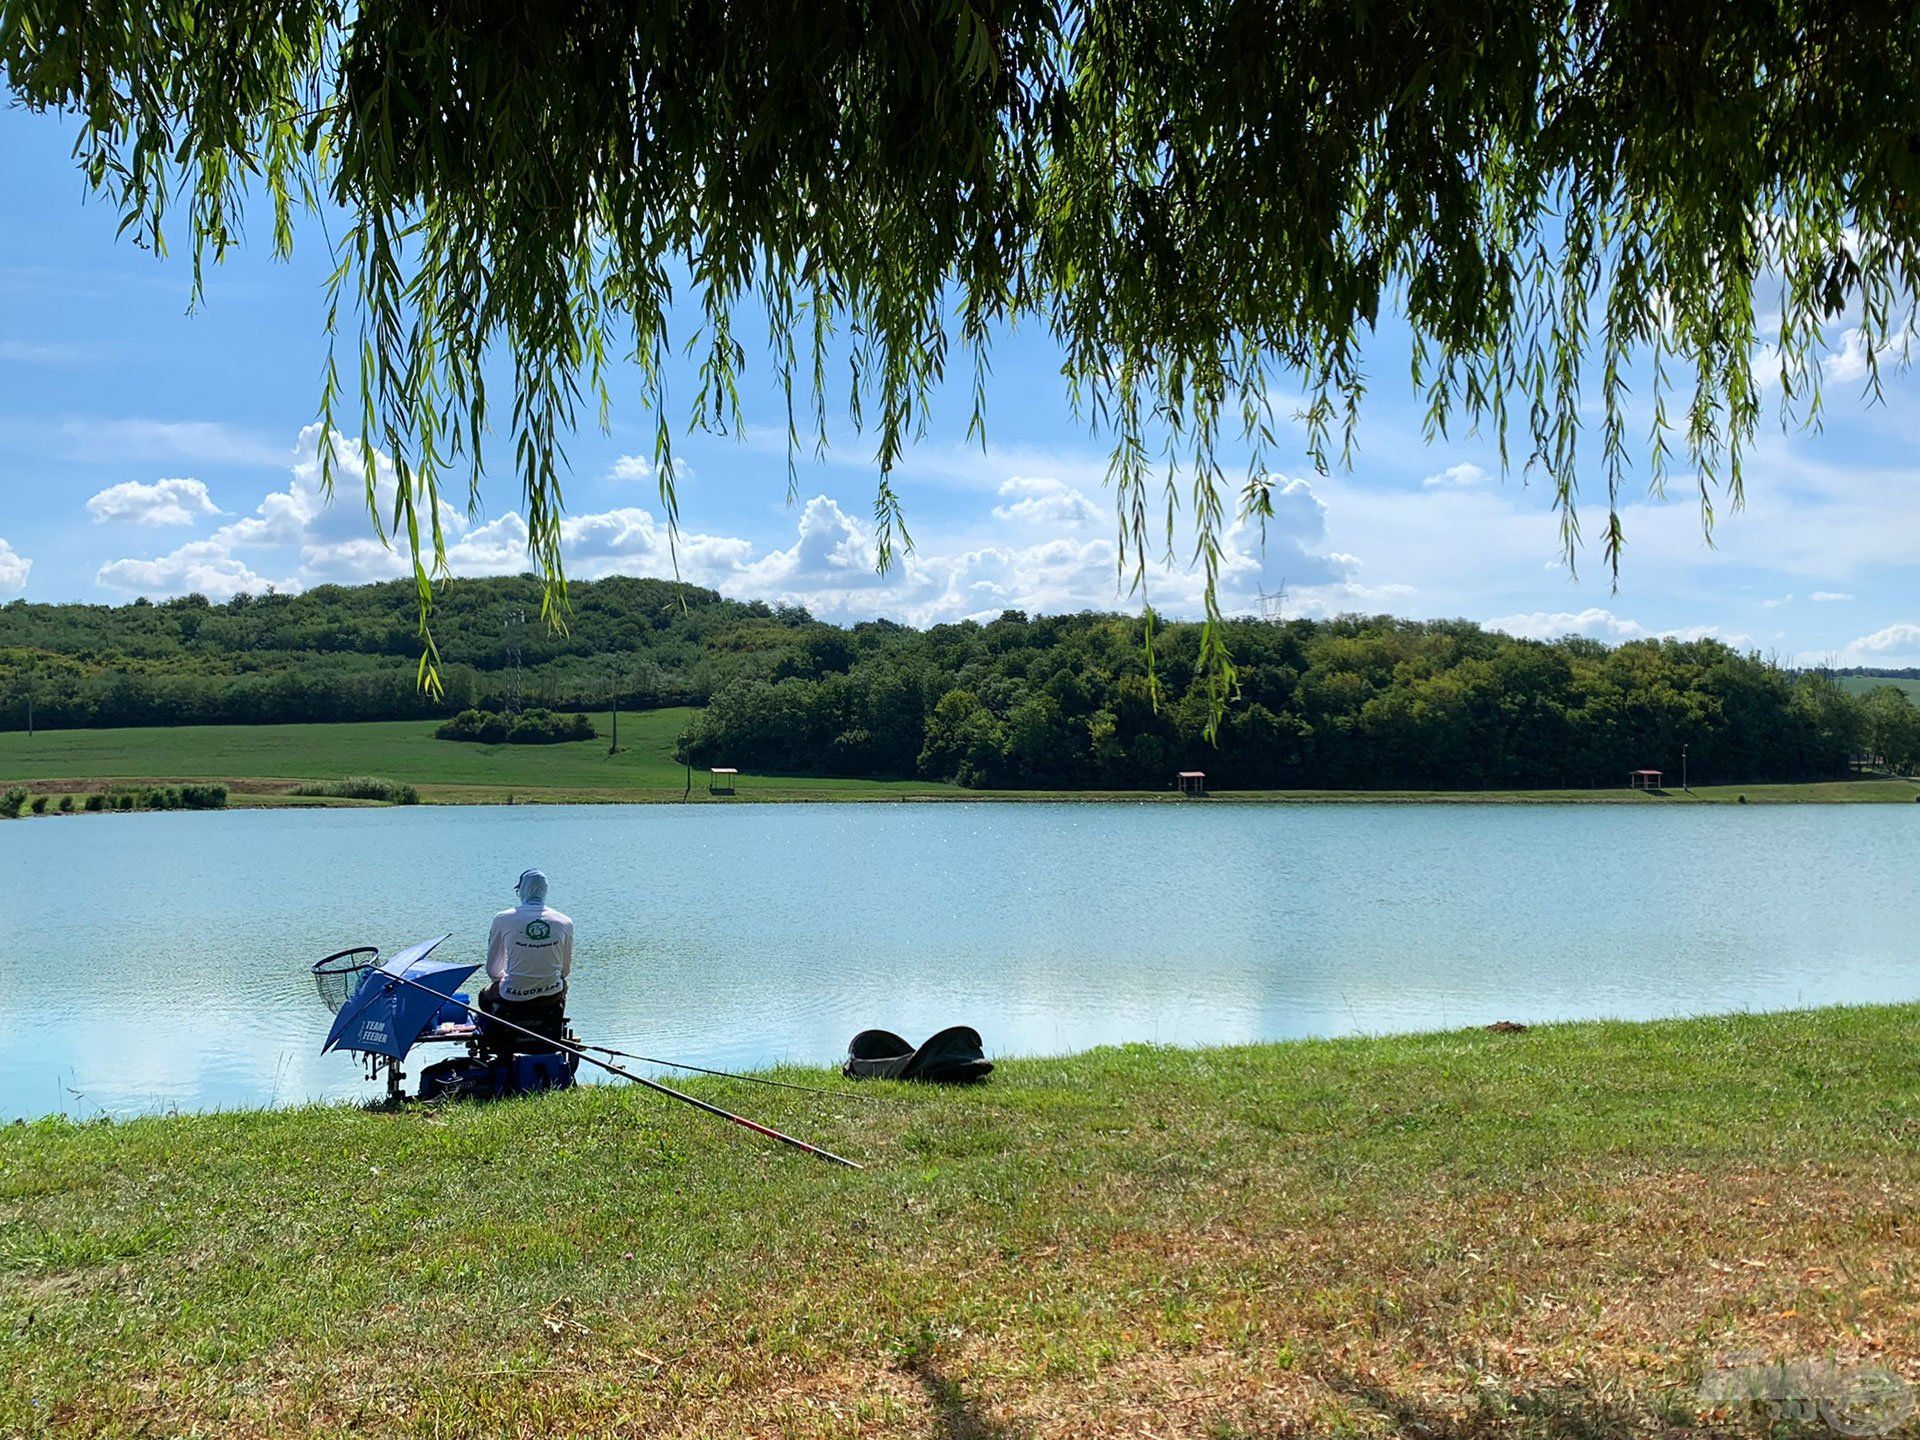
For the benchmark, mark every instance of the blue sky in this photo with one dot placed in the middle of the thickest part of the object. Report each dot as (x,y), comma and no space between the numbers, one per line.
(148,451)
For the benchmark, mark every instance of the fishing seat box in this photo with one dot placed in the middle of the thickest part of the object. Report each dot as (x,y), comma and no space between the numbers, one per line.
(469,1077)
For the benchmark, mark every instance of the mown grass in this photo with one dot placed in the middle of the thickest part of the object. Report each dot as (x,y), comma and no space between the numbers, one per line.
(262,765)
(1549,1233)
(1862,684)
(401,749)
(268,760)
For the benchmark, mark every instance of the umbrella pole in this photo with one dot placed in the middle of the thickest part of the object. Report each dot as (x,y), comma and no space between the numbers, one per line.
(580,1054)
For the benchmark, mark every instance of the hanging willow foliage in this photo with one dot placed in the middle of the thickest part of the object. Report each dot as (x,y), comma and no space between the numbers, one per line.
(1197,198)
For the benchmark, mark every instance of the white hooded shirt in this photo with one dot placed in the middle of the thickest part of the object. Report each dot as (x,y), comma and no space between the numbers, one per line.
(530,948)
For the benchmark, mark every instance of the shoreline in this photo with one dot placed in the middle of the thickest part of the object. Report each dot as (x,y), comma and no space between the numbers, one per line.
(829,1075)
(257,792)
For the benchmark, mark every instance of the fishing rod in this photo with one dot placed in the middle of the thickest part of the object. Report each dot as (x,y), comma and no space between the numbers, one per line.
(579,1053)
(731,1075)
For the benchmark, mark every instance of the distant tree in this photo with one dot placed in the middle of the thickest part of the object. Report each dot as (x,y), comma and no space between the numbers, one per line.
(964,741)
(1892,727)
(1833,722)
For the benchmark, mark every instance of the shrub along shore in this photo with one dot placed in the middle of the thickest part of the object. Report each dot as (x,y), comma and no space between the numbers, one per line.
(1554,1232)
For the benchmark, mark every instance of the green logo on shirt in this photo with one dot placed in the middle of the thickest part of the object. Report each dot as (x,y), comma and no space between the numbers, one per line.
(538,930)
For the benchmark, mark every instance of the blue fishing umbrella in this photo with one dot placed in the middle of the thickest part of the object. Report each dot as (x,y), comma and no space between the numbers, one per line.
(386,1015)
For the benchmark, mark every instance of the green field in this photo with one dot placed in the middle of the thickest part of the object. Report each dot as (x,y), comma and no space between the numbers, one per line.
(1861,684)
(403,750)
(1553,1234)
(262,762)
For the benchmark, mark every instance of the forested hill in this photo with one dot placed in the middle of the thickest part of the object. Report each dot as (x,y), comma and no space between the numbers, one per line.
(1020,701)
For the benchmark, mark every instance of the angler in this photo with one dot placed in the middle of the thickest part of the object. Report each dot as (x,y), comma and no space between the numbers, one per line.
(383,1009)
(529,957)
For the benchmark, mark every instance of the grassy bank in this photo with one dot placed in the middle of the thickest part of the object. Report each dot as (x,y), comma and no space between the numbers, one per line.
(1549,1233)
(261,764)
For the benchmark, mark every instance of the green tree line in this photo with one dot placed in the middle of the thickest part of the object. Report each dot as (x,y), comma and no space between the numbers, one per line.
(1052,701)
(1358,702)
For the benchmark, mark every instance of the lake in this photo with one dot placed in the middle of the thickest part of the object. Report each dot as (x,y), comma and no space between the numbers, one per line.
(160,961)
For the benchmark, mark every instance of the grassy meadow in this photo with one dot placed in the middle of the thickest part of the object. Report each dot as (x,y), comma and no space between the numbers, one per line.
(262,763)
(1553,1233)
(1863,684)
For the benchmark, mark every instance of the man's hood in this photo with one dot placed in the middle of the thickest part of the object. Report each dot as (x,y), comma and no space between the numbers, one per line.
(532,888)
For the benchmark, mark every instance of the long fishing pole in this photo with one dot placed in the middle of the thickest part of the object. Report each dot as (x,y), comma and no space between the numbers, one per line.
(731,1075)
(579,1053)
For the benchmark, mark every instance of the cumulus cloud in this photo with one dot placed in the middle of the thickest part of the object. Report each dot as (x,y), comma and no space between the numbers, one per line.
(295,538)
(1603,624)
(1894,646)
(164,502)
(204,565)
(1849,362)
(630,467)
(1893,637)
(1051,550)
(1052,503)
(1552,624)
(626,541)
(14,569)
(1456,476)
(830,566)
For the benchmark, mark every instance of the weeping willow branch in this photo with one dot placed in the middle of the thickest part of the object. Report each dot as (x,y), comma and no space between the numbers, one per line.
(1203,201)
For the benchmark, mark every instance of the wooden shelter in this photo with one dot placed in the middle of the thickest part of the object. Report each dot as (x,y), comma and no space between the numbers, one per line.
(720,780)
(1645,780)
(1191,782)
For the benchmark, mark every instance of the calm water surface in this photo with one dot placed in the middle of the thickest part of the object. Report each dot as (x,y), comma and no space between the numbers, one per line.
(160,961)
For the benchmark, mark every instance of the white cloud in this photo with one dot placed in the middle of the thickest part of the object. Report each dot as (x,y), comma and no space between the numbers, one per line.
(626,541)
(1828,597)
(1849,362)
(1602,624)
(1893,647)
(1051,503)
(295,538)
(1463,474)
(1552,624)
(14,569)
(830,565)
(1893,637)
(1776,603)
(631,467)
(164,502)
(203,565)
